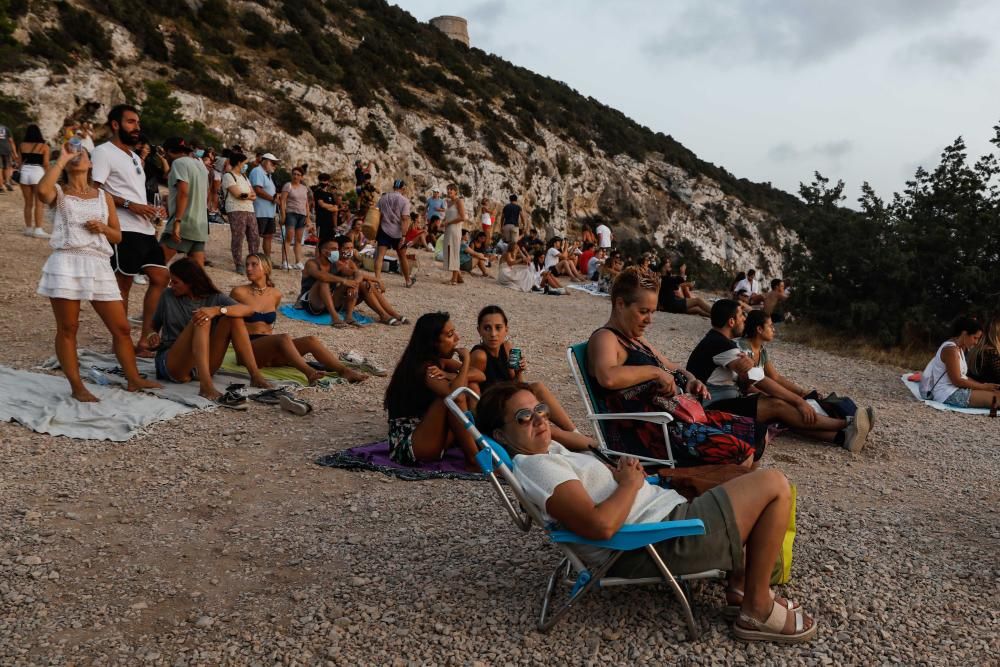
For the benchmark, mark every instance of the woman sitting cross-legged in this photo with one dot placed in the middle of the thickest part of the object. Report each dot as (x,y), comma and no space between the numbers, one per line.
(946,377)
(420,426)
(271,349)
(193,325)
(628,375)
(581,494)
(492,358)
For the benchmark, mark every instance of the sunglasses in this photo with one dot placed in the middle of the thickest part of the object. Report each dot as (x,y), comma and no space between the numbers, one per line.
(135,163)
(524,416)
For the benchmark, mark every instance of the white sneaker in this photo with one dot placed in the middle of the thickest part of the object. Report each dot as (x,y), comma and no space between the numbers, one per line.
(285,266)
(141,279)
(300,266)
(40,233)
(28,231)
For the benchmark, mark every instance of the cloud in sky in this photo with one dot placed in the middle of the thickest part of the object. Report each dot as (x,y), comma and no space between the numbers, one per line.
(832,150)
(488,11)
(790,32)
(956,50)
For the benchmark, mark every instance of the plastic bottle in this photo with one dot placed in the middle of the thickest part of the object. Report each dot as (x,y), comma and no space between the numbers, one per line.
(98,377)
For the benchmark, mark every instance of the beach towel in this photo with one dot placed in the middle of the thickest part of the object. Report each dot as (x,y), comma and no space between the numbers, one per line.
(280,375)
(43,403)
(375,456)
(589,288)
(293,313)
(914,387)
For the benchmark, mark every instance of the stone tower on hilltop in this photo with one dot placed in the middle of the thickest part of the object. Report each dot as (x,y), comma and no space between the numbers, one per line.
(454,26)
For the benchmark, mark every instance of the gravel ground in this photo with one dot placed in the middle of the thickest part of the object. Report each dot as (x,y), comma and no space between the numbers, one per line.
(215,539)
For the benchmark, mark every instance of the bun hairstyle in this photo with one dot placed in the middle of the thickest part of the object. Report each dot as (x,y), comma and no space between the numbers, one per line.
(629,283)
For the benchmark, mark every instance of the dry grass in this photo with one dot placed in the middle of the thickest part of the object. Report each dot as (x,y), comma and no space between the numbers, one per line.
(912,357)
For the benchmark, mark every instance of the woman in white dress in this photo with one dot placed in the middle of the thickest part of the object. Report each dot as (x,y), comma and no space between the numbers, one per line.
(85,225)
(454,217)
(515,270)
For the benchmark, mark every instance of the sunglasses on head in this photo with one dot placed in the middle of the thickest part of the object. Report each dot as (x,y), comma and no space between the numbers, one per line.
(524,416)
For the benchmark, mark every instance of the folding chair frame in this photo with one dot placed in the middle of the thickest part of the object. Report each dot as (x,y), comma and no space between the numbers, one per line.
(577,365)
(495,461)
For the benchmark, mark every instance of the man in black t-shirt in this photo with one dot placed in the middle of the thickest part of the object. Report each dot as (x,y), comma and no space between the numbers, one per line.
(511,216)
(740,387)
(326,209)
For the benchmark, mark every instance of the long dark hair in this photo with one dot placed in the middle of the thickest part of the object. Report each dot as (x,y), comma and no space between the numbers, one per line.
(33,135)
(194,277)
(406,395)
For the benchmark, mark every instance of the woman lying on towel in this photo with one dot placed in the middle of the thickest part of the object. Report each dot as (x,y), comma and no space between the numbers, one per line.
(271,349)
(628,375)
(420,426)
(193,325)
(946,378)
(594,500)
(492,357)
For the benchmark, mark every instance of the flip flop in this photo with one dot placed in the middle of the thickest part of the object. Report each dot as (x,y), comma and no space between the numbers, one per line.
(339,324)
(392,322)
(294,405)
(404,320)
(355,323)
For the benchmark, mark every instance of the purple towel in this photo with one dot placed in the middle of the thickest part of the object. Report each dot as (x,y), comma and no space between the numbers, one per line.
(375,456)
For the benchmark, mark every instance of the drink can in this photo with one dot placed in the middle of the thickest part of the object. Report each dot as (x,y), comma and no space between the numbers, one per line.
(514,358)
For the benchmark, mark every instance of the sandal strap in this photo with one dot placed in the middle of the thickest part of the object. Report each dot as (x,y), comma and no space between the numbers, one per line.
(775,621)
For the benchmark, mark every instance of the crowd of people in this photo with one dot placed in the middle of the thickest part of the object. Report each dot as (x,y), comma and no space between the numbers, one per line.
(124,209)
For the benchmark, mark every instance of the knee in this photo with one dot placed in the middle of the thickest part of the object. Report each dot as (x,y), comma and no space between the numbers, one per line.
(68,328)
(122,330)
(286,341)
(311,341)
(775,481)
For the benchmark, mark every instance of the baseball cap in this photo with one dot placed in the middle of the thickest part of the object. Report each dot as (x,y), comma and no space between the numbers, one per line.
(177,145)
(269,156)
(398,183)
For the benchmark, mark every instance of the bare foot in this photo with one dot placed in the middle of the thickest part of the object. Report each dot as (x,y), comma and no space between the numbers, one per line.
(140,383)
(315,377)
(211,393)
(85,396)
(144,352)
(354,376)
(260,382)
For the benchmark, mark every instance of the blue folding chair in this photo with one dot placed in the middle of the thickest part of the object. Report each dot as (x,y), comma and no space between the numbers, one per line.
(597,414)
(572,571)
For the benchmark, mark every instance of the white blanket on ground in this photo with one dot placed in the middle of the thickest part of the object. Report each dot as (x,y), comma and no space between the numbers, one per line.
(914,388)
(43,404)
(589,288)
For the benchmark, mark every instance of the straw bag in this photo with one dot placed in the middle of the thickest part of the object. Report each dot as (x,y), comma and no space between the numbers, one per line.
(373,217)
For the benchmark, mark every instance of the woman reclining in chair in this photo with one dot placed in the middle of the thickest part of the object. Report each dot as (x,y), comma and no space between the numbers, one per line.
(628,375)
(594,500)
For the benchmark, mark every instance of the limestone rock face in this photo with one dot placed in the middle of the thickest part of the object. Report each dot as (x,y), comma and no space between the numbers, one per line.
(559,183)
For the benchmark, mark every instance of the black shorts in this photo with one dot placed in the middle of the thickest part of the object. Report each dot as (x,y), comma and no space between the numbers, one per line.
(265,226)
(742,405)
(673,304)
(136,253)
(5,161)
(383,239)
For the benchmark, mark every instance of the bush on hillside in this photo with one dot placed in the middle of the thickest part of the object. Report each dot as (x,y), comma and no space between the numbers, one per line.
(161,118)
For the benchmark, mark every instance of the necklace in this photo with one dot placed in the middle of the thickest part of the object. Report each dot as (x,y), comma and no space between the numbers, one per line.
(257,290)
(69,189)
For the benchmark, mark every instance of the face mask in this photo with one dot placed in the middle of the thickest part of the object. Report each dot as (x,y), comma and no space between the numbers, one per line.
(199,153)
(348,254)
(244,168)
(333,256)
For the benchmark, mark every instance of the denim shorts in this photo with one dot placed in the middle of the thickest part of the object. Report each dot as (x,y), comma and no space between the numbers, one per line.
(959,398)
(295,220)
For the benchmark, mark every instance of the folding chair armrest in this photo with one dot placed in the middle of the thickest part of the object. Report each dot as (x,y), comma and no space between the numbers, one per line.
(636,535)
(655,417)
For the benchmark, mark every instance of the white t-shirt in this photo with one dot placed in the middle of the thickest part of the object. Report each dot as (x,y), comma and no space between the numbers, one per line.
(603,236)
(122,175)
(935,378)
(746,284)
(592,265)
(551,258)
(233,202)
(540,474)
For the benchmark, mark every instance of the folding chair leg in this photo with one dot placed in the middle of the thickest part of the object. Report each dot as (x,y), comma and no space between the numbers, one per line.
(546,623)
(693,631)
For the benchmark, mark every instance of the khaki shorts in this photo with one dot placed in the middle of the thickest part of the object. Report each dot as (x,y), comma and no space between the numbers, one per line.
(720,548)
(509,234)
(184,246)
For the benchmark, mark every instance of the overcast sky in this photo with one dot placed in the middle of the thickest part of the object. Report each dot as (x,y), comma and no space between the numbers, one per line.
(772,90)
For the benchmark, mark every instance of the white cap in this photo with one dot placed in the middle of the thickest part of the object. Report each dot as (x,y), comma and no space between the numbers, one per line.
(269,156)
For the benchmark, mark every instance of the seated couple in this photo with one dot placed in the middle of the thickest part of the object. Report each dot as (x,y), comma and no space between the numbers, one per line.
(747,384)
(333,281)
(745,518)
(195,323)
(433,365)
(946,377)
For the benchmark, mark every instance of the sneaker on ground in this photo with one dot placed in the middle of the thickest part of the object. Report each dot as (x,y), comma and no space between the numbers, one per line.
(285,266)
(41,233)
(232,400)
(141,279)
(856,433)
(28,231)
(352,357)
(299,266)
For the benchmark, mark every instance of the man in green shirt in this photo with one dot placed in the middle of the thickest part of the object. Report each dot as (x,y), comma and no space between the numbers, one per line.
(187,226)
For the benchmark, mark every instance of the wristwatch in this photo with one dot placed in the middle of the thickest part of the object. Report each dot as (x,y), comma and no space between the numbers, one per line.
(224,310)
(126,204)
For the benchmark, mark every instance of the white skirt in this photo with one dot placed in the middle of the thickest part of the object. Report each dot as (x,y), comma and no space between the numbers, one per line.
(78,277)
(31,174)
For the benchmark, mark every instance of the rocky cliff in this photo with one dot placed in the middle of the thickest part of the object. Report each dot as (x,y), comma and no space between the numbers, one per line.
(459,123)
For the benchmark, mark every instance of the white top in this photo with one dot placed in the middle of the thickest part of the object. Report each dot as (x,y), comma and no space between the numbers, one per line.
(935,379)
(603,236)
(121,175)
(233,202)
(551,258)
(751,286)
(68,231)
(541,474)
(592,265)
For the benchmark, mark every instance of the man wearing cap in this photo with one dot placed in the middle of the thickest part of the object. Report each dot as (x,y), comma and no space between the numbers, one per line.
(264,206)
(118,170)
(436,205)
(513,218)
(187,206)
(395,219)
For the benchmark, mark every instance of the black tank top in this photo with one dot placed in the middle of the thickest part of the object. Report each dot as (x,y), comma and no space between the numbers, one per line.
(496,367)
(32,158)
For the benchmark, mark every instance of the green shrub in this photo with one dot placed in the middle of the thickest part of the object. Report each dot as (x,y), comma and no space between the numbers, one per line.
(292,120)
(373,135)
(434,149)
(161,117)
(13,112)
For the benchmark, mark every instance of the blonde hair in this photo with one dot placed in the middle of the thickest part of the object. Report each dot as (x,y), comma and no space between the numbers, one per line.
(989,341)
(265,262)
(630,282)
